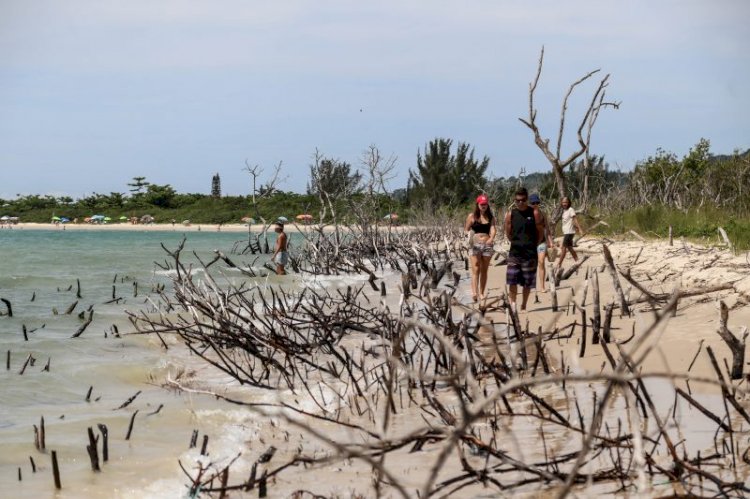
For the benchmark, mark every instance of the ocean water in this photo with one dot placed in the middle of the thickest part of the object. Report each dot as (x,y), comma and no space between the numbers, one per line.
(40,272)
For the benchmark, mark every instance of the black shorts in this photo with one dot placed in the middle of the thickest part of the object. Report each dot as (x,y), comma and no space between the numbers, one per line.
(568,240)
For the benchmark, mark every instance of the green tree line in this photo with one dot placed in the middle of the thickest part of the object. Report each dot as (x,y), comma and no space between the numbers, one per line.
(446,178)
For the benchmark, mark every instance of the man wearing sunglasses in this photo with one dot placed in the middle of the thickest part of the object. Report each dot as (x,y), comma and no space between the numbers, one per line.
(521,230)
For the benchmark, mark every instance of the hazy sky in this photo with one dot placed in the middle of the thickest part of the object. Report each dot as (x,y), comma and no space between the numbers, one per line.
(93,93)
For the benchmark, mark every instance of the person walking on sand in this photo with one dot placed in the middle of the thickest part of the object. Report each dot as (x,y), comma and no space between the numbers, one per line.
(521,230)
(569,226)
(280,254)
(547,242)
(481,230)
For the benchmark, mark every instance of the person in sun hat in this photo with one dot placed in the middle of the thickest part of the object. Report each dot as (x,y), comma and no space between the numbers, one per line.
(546,243)
(481,229)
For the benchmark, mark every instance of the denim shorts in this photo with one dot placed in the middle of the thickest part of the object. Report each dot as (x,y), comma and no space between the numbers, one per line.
(541,248)
(521,271)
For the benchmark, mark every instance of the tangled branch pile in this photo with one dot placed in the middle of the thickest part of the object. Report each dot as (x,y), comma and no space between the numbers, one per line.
(416,376)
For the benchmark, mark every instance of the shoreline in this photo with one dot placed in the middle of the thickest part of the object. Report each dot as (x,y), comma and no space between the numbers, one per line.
(177,227)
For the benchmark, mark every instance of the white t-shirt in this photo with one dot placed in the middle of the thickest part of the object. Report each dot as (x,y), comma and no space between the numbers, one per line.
(567,221)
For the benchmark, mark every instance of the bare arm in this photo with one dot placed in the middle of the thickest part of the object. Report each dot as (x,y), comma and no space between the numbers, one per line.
(507,225)
(540,226)
(468,223)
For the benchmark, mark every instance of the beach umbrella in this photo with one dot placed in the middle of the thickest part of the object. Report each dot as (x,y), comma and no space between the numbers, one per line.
(107,219)
(123,217)
(304,216)
(97,217)
(248,220)
(391,216)
(56,218)
(5,217)
(282,220)
(64,220)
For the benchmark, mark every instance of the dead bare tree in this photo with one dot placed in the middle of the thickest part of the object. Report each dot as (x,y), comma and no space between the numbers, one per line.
(268,188)
(587,122)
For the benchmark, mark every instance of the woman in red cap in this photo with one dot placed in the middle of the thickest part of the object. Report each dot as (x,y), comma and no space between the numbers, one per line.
(480,225)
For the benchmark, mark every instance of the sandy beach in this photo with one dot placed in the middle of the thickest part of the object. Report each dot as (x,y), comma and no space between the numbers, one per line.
(660,268)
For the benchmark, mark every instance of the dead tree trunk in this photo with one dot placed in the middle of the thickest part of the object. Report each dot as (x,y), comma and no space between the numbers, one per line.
(736,345)
(587,121)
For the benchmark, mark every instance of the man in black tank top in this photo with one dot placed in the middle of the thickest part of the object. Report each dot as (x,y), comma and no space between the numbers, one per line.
(521,230)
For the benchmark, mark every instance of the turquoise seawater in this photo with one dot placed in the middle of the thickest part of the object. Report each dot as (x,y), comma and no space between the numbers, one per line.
(39,274)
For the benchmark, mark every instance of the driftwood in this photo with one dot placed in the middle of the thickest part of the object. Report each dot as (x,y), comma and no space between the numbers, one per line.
(735,344)
(424,358)
(624,308)
(8,307)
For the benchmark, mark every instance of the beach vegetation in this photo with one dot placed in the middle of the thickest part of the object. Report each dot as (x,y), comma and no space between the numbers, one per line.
(216,186)
(444,180)
(333,177)
(694,194)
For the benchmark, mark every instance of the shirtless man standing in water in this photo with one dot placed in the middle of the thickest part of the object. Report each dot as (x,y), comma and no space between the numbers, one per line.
(280,255)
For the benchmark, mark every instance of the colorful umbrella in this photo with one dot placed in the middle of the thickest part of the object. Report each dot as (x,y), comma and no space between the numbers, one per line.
(304,216)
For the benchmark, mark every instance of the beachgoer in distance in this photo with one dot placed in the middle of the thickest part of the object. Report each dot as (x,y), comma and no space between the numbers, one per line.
(280,255)
(569,227)
(547,242)
(480,226)
(521,229)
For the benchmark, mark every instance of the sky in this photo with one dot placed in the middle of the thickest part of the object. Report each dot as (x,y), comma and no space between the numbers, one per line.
(96,92)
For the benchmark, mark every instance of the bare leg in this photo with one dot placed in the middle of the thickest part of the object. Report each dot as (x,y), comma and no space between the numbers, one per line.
(574,254)
(541,271)
(525,299)
(484,264)
(280,270)
(563,251)
(512,292)
(475,263)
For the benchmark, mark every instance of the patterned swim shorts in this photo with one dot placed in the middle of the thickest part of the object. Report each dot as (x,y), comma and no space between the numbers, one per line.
(482,250)
(282,258)
(521,272)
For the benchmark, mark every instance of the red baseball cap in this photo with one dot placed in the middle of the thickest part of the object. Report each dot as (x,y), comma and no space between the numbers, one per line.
(482,199)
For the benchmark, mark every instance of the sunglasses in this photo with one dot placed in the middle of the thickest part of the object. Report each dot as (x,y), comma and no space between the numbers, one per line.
(521,200)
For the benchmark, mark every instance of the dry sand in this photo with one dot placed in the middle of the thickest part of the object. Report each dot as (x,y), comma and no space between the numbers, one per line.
(660,268)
